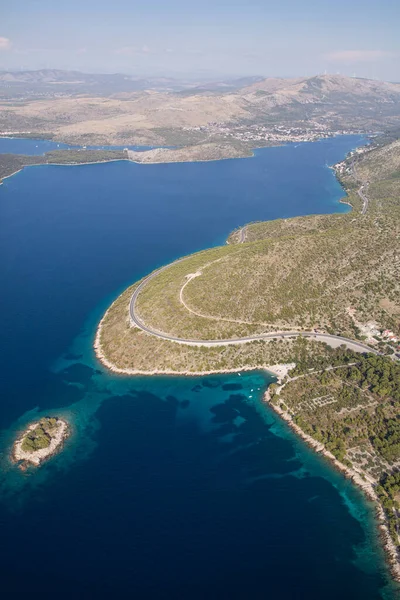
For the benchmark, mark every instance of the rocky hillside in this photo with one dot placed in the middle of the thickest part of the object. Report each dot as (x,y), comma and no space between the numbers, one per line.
(332,98)
(321,103)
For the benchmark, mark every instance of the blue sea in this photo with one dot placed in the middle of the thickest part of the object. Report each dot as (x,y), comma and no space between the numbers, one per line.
(168,487)
(34,147)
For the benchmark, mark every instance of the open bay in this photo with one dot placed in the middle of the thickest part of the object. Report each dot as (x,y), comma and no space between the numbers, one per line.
(168,487)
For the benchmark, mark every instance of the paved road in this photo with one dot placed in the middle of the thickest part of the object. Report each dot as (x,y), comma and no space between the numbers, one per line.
(361,189)
(331,340)
(243,233)
(363,197)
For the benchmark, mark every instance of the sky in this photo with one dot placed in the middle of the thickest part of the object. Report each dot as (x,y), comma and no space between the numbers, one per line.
(203,38)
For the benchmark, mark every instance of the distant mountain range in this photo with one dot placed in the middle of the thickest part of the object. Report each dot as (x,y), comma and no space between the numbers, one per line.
(327,92)
(47,82)
(259,91)
(89,108)
(322,85)
(55,81)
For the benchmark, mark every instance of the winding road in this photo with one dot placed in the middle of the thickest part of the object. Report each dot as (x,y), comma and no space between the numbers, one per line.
(332,340)
(363,197)
(360,191)
(243,233)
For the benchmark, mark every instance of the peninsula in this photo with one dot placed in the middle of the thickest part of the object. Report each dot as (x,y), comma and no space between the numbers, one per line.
(320,293)
(12,163)
(40,440)
(330,279)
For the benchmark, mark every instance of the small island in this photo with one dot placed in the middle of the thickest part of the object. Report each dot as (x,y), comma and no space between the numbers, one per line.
(40,440)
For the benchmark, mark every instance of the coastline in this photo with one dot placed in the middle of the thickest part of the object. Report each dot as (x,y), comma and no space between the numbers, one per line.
(278,370)
(12,174)
(342,201)
(37,457)
(136,162)
(97,162)
(366,486)
(152,155)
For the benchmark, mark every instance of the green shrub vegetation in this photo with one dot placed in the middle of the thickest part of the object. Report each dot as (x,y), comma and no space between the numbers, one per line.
(351,404)
(11,163)
(40,436)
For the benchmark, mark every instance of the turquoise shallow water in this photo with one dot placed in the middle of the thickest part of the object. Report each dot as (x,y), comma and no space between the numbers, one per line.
(168,487)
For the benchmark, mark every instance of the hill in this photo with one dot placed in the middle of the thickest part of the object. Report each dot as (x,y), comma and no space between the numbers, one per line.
(337,274)
(259,113)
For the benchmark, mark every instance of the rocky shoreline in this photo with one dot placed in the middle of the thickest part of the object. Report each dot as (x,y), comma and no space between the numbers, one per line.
(38,456)
(367,486)
(279,370)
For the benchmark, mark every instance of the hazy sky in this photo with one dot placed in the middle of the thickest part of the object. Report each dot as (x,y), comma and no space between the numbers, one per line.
(205,37)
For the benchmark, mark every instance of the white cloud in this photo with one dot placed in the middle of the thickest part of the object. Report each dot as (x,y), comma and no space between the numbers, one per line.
(353,56)
(145,49)
(5,43)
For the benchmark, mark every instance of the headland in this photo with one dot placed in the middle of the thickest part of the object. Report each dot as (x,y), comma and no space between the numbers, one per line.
(277,296)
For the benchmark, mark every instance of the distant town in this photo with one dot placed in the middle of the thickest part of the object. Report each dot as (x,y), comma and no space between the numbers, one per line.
(270,134)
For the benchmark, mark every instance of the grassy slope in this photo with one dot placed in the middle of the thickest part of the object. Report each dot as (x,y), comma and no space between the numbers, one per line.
(130,349)
(296,273)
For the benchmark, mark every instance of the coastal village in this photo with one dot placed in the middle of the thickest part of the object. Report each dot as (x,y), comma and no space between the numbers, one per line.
(373,334)
(271,134)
